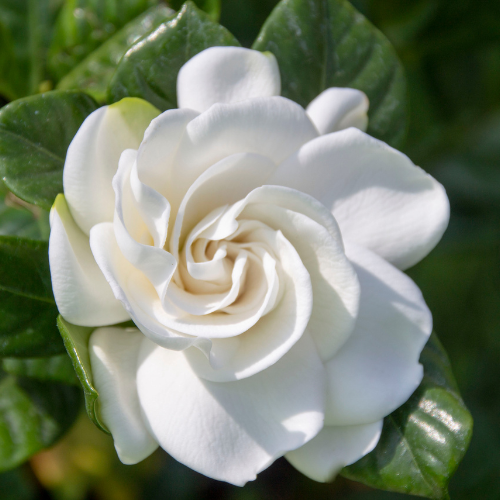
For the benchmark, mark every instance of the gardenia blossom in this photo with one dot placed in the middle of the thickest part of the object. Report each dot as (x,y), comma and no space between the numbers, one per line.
(258,247)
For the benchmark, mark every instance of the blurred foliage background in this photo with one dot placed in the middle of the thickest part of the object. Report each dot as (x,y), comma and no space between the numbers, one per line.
(451,53)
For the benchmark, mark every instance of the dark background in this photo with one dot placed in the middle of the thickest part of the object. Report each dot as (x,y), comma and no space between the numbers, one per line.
(451,53)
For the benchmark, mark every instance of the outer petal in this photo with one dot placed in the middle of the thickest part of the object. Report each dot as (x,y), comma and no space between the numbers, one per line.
(377,369)
(155,157)
(231,431)
(334,448)
(92,158)
(227,74)
(379,198)
(113,355)
(82,294)
(339,108)
(273,127)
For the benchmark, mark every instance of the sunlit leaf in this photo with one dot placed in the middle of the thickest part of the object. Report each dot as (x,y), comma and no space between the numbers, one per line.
(76,340)
(33,415)
(211,7)
(35,133)
(25,34)
(422,442)
(327,43)
(149,69)
(94,73)
(83,25)
(50,369)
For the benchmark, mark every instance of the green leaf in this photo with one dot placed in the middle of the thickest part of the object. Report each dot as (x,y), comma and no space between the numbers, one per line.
(25,34)
(211,7)
(51,369)
(149,68)
(27,309)
(35,133)
(83,25)
(33,415)
(94,73)
(28,327)
(17,485)
(76,341)
(422,442)
(17,218)
(327,43)
(25,268)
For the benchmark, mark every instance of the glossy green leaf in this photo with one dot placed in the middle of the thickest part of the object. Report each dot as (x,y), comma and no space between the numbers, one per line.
(76,340)
(327,43)
(35,133)
(422,442)
(33,415)
(94,73)
(27,309)
(19,219)
(28,327)
(25,34)
(50,369)
(149,68)
(25,268)
(83,25)
(211,7)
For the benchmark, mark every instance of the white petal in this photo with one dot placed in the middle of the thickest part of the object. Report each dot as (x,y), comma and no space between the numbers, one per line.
(114,354)
(216,325)
(224,183)
(82,294)
(125,280)
(334,448)
(155,157)
(378,368)
(334,283)
(227,74)
(274,334)
(379,198)
(339,108)
(92,158)
(231,431)
(157,264)
(273,127)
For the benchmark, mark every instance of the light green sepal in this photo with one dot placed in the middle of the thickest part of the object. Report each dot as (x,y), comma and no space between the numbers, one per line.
(76,341)
(136,113)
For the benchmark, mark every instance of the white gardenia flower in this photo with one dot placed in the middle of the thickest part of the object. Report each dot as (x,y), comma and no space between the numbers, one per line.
(258,247)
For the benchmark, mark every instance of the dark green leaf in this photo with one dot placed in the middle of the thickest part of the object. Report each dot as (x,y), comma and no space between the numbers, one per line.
(327,43)
(17,485)
(211,7)
(17,218)
(27,310)
(35,133)
(25,268)
(28,327)
(33,415)
(94,73)
(25,34)
(83,25)
(422,442)
(149,69)
(51,369)
(76,340)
